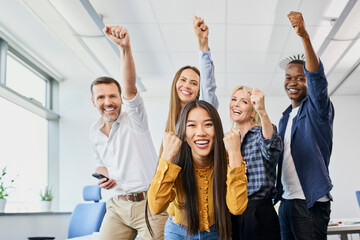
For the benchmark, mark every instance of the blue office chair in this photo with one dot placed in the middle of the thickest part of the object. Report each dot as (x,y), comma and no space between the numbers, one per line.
(358,197)
(87,217)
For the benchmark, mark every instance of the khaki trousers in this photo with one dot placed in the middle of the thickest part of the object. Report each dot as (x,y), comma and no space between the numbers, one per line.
(126,220)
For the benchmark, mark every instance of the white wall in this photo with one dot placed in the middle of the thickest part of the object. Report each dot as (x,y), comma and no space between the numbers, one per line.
(76,162)
(22,226)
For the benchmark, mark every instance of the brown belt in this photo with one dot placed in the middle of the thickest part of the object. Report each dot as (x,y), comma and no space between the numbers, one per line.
(133,197)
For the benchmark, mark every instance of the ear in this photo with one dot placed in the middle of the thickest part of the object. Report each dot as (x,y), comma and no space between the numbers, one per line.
(253,113)
(93,101)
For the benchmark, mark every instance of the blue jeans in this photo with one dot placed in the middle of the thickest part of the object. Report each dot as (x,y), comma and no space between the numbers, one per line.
(175,231)
(302,223)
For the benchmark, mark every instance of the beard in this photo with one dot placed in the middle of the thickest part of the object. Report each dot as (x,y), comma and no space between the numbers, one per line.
(113,118)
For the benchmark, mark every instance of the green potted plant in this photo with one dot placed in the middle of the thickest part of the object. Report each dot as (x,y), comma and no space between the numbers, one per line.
(46,198)
(4,186)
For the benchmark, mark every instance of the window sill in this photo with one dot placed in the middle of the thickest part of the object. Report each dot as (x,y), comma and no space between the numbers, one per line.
(34,213)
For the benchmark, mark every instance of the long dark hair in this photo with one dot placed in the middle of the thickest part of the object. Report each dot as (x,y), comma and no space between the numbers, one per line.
(185,161)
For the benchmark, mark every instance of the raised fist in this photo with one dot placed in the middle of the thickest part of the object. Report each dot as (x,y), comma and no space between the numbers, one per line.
(200,28)
(171,146)
(232,140)
(257,99)
(298,23)
(201,32)
(117,34)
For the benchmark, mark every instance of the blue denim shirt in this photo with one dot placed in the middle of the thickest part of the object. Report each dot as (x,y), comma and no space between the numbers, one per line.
(262,156)
(311,139)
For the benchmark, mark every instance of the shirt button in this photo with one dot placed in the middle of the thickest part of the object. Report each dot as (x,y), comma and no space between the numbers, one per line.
(200,188)
(231,189)
(158,181)
(232,174)
(200,211)
(165,166)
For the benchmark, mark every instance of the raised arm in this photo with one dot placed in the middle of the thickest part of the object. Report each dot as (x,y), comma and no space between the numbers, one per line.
(207,75)
(312,62)
(120,36)
(232,145)
(236,182)
(257,99)
(161,191)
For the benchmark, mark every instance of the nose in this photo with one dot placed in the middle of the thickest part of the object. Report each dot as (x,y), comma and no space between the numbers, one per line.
(107,101)
(187,84)
(200,131)
(293,81)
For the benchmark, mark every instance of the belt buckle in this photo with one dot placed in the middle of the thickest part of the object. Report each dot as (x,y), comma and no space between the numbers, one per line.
(136,198)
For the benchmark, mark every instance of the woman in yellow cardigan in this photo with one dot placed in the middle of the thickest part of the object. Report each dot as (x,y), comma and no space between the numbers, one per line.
(195,181)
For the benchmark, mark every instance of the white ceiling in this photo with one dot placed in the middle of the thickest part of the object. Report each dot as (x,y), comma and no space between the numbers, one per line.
(248,39)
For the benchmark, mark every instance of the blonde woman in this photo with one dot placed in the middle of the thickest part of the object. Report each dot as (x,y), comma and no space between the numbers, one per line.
(261,147)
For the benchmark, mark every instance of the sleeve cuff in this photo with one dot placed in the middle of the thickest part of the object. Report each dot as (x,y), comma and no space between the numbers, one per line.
(205,53)
(320,69)
(172,169)
(236,173)
(136,101)
(272,138)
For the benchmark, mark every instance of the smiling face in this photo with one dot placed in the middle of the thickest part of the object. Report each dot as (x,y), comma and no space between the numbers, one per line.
(106,98)
(200,134)
(295,83)
(241,109)
(188,86)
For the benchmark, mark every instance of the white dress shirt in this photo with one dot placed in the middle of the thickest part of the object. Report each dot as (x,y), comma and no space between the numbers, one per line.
(128,153)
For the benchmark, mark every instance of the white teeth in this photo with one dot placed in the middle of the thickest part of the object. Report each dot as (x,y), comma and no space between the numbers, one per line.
(184,92)
(109,109)
(292,90)
(236,111)
(201,142)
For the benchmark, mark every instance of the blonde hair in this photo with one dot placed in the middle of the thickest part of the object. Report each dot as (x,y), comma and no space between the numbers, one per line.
(175,104)
(256,119)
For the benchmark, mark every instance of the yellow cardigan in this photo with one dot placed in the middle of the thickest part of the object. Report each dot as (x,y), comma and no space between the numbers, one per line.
(166,193)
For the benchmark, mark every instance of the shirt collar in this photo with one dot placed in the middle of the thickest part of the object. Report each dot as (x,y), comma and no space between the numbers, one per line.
(289,109)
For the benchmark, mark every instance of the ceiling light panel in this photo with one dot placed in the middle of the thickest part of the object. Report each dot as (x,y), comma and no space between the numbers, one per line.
(124,11)
(59,27)
(350,28)
(249,12)
(252,62)
(77,17)
(256,38)
(146,38)
(171,12)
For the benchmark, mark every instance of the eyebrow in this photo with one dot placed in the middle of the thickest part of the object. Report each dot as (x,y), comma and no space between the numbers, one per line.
(206,120)
(296,75)
(240,98)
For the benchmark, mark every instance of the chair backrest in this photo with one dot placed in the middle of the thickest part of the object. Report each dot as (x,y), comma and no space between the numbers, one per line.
(358,197)
(87,217)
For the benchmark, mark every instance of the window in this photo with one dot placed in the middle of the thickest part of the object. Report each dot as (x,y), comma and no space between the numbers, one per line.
(23,144)
(26,100)
(24,81)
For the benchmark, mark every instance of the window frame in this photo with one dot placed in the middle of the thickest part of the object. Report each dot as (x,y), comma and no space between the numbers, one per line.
(48,112)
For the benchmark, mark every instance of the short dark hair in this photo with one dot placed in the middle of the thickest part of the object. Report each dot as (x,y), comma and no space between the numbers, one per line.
(104,80)
(297,61)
